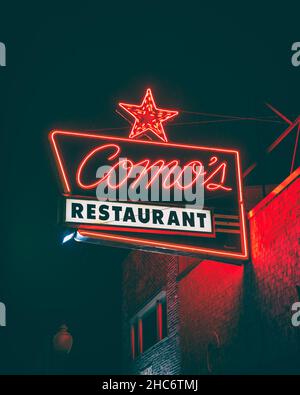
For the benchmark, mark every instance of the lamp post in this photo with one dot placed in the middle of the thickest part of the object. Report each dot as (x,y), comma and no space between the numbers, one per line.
(62,344)
(63,340)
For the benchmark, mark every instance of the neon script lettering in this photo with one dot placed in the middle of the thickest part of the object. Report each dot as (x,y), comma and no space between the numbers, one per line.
(172,172)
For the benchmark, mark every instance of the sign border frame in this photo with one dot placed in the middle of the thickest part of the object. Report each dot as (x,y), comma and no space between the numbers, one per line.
(242,255)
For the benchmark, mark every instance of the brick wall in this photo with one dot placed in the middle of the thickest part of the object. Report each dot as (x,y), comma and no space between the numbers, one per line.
(210,298)
(248,308)
(233,319)
(144,276)
(275,250)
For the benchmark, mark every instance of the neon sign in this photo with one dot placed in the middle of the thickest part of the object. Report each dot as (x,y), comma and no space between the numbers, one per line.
(166,175)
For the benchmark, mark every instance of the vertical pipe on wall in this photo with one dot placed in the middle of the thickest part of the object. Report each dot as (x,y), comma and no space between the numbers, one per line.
(140,326)
(159,320)
(132,332)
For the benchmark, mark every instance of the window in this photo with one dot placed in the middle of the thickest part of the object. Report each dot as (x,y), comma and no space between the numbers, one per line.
(149,326)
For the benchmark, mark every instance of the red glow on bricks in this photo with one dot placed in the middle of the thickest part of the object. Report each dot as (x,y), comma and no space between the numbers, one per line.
(278,215)
(210,298)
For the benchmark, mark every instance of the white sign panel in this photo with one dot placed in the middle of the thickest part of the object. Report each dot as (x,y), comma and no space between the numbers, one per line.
(138,216)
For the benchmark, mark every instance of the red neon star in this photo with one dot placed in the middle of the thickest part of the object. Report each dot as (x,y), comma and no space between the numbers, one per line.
(148,117)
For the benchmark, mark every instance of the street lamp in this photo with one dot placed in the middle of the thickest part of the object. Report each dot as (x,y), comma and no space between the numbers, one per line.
(63,340)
